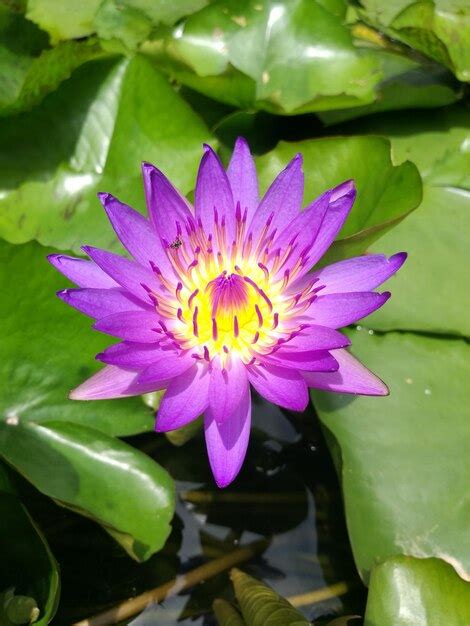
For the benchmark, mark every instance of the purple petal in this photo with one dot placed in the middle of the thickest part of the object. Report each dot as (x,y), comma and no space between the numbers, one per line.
(186,397)
(134,356)
(316,338)
(166,206)
(98,303)
(302,231)
(82,272)
(362,273)
(282,201)
(351,377)
(284,387)
(312,361)
(227,388)
(213,192)
(341,309)
(168,365)
(110,382)
(243,179)
(127,273)
(341,201)
(130,326)
(227,441)
(135,233)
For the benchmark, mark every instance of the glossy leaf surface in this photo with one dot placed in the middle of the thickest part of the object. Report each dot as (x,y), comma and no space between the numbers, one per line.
(403,459)
(417,592)
(118,486)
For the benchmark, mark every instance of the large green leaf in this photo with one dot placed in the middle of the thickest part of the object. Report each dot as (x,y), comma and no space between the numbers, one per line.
(262,606)
(69,19)
(440,29)
(48,348)
(26,564)
(293,56)
(124,490)
(386,193)
(431,293)
(92,135)
(403,460)
(417,592)
(29,69)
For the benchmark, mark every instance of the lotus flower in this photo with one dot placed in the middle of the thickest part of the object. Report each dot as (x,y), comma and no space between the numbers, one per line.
(222,296)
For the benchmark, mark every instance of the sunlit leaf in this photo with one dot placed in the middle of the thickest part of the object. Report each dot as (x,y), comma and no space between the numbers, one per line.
(26,563)
(92,135)
(48,348)
(403,459)
(423,592)
(124,490)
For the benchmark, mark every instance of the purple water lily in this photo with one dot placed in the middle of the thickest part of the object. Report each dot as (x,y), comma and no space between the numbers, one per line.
(221,296)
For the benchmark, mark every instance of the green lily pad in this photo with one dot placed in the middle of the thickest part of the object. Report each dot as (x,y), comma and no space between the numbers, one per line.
(431,293)
(55,159)
(118,486)
(294,57)
(29,68)
(385,193)
(422,592)
(403,459)
(440,29)
(47,348)
(26,563)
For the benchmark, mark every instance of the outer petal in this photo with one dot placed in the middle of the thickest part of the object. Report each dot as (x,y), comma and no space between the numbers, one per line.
(135,356)
(165,205)
(130,326)
(110,382)
(282,200)
(227,388)
(243,179)
(312,361)
(351,377)
(227,441)
(284,387)
(127,273)
(99,303)
(82,272)
(168,365)
(316,338)
(136,233)
(341,201)
(340,309)
(186,398)
(302,231)
(213,193)
(362,273)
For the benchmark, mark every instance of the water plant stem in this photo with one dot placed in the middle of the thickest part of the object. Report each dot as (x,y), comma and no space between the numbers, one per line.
(132,606)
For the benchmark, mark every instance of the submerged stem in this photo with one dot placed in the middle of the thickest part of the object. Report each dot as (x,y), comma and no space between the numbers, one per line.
(131,607)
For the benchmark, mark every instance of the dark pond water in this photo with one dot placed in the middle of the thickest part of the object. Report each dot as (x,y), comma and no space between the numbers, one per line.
(287,493)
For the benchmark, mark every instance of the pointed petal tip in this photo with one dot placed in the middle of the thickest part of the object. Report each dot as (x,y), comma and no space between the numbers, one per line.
(399,258)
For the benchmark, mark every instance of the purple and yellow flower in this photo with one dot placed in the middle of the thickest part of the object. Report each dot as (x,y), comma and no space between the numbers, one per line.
(221,296)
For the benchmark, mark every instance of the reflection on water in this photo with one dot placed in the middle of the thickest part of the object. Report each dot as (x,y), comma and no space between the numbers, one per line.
(287,492)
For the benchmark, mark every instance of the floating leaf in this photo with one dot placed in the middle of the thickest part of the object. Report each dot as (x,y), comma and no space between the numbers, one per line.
(118,486)
(262,606)
(423,592)
(292,57)
(48,348)
(26,563)
(385,193)
(77,142)
(403,459)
